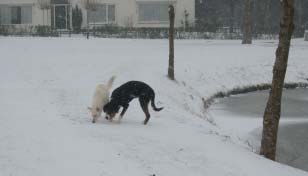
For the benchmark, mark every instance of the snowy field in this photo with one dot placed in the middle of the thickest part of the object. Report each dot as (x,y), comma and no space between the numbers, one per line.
(47,84)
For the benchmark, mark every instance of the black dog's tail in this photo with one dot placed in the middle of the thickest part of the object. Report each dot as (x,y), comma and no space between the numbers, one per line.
(153,104)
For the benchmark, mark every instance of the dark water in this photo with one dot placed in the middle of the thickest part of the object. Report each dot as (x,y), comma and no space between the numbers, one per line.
(292,146)
(294,104)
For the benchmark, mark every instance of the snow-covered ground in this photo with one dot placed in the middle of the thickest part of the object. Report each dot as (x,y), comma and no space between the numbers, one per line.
(47,84)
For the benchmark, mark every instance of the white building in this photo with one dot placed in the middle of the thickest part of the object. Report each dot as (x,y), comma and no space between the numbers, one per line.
(125,13)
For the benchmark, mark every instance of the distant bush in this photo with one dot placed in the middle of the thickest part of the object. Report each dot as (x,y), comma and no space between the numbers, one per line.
(123,32)
(4,30)
(107,29)
(44,31)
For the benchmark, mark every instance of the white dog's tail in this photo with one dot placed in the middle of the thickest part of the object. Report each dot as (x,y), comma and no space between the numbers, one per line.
(110,82)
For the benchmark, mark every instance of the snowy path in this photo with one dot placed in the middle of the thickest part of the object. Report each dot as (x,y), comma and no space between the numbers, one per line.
(46,85)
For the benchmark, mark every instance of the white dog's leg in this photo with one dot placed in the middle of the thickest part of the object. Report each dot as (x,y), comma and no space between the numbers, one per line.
(120,118)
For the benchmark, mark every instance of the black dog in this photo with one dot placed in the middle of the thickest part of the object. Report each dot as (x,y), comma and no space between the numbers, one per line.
(122,95)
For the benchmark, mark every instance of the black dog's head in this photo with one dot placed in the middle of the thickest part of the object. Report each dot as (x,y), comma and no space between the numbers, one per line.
(111,109)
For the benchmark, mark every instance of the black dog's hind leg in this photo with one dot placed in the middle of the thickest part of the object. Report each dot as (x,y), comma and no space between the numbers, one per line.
(123,111)
(144,103)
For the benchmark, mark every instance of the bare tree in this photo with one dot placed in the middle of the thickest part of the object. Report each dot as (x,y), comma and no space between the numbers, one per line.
(267,18)
(273,108)
(69,16)
(247,28)
(299,10)
(171,43)
(231,18)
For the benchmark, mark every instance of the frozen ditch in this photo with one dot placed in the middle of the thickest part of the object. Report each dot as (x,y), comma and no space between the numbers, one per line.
(243,114)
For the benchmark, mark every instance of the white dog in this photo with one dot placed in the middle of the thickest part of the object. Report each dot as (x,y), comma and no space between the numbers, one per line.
(100,98)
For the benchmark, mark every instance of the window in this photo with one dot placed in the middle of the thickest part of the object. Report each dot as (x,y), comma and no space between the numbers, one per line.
(15,15)
(59,1)
(153,12)
(26,15)
(5,15)
(111,13)
(98,15)
(102,14)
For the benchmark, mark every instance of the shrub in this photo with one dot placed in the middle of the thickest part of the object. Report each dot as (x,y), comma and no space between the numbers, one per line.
(4,30)
(77,19)
(44,31)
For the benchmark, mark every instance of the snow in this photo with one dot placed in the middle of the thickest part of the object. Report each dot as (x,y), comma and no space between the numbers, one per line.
(47,84)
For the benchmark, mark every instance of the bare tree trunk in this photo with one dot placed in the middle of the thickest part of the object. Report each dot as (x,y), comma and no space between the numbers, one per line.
(171,43)
(231,19)
(47,10)
(43,16)
(267,18)
(88,33)
(247,28)
(272,111)
(300,25)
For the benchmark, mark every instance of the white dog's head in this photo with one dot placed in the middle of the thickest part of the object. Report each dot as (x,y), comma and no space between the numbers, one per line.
(95,112)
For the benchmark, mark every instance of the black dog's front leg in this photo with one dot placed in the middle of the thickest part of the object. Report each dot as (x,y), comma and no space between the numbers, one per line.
(125,107)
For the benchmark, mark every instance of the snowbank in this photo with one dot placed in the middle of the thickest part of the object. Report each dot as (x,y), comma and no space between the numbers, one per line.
(47,83)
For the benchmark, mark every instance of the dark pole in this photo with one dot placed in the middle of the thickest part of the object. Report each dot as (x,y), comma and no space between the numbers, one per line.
(231,20)
(171,43)
(88,24)
(247,28)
